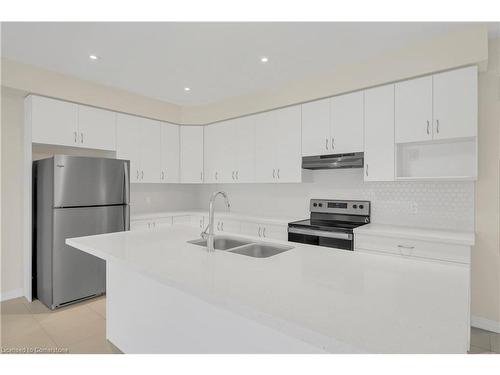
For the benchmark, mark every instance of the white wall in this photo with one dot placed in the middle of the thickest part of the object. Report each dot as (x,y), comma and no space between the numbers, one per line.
(12,198)
(162,197)
(446,205)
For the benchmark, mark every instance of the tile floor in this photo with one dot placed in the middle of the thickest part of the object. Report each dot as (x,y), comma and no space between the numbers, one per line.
(81,328)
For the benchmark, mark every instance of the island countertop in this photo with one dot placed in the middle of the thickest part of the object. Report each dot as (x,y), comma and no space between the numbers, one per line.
(363,302)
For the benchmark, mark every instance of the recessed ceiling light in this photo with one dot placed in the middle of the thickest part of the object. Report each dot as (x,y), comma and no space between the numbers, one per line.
(187,89)
(93,57)
(264,59)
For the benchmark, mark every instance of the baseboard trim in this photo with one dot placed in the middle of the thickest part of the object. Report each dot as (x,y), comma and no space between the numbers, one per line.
(11,294)
(486,324)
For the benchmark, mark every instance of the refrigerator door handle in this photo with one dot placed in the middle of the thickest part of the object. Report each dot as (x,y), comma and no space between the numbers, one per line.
(126,218)
(126,186)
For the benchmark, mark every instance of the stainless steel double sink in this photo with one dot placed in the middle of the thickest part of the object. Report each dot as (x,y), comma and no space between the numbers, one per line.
(244,247)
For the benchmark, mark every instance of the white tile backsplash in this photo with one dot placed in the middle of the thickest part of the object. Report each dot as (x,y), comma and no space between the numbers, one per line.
(433,204)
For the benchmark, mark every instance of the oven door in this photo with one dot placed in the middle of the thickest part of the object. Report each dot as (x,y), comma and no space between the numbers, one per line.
(339,240)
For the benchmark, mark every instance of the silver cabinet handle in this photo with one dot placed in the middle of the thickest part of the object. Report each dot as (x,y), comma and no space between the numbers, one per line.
(333,145)
(81,137)
(264,232)
(222,226)
(278,173)
(237,175)
(232,175)
(149,225)
(274,173)
(137,178)
(406,247)
(201,176)
(201,223)
(142,175)
(366,170)
(76,137)
(428,130)
(218,225)
(326,143)
(437,126)
(259,231)
(162,175)
(215,175)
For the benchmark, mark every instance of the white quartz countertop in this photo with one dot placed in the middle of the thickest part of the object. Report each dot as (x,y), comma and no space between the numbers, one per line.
(363,300)
(424,234)
(220,214)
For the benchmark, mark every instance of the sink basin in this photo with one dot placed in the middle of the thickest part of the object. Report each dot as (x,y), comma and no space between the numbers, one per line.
(221,242)
(261,250)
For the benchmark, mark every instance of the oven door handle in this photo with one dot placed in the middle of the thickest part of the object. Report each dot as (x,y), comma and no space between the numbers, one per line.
(320,233)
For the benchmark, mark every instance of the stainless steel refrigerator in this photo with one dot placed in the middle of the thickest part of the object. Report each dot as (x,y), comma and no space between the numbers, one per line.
(73,197)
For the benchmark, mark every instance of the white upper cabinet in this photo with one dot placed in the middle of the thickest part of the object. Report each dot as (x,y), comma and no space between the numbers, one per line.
(191,154)
(316,128)
(278,145)
(150,148)
(216,152)
(61,123)
(128,144)
(287,144)
(96,128)
(169,153)
(413,110)
(379,134)
(52,121)
(266,141)
(455,101)
(138,140)
(243,144)
(346,129)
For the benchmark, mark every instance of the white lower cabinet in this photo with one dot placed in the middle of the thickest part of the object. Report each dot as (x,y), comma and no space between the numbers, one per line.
(150,224)
(198,221)
(227,225)
(412,248)
(262,230)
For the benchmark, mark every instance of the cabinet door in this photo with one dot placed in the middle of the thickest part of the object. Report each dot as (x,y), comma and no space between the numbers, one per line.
(169,152)
(413,110)
(316,128)
(227,225)
(198,221)
(244,146)
(379,134)
(96,128)
(227,153)
(276,232)
(287,144)
(128,143)
(163,222)
(150,151)
(52,121)
(191,162)
(346,131)
(213,152)
(266,143)
(251,229)
(455,103)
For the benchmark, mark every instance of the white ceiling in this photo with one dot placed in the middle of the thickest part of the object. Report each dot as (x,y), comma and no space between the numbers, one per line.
(216,60)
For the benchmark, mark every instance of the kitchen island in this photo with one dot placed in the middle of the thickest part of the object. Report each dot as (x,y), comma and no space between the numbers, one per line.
(165,295)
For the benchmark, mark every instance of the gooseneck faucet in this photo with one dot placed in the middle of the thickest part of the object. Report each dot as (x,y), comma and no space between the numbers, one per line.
(208,233)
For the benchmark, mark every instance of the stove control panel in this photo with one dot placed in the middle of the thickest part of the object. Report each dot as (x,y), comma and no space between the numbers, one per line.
(340,207)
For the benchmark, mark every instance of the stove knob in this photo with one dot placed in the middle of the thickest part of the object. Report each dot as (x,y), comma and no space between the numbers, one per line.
(355,206)
(315,204)
(320,204)
(361,206)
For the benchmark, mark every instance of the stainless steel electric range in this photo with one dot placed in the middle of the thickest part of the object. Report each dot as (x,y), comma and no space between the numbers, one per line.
(331,223)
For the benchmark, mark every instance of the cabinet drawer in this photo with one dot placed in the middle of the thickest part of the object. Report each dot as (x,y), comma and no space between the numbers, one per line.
(412,248)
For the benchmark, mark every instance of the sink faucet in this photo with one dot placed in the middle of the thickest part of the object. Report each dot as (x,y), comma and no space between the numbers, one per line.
(208,233)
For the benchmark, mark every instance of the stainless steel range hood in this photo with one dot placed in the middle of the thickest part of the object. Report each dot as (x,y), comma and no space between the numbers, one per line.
(334,161)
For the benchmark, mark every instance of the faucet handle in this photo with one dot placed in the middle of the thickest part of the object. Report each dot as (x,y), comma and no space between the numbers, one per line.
(204,234)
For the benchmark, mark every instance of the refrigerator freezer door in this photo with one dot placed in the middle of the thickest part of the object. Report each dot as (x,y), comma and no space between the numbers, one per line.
(84,181)
(76,274)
